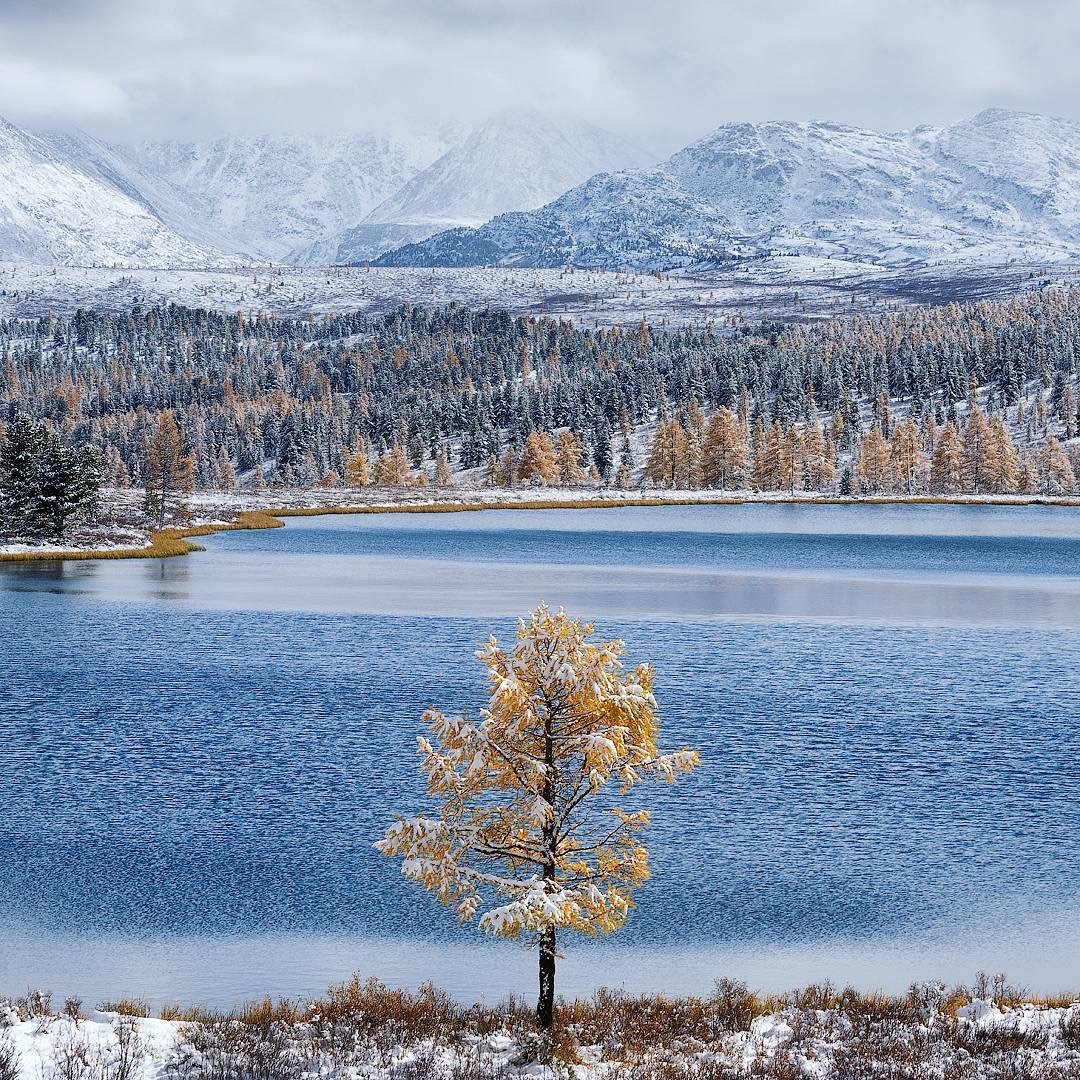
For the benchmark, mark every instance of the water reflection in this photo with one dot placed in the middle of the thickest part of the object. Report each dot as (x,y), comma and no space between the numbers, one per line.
(166,579)
(392,586)
(223,971)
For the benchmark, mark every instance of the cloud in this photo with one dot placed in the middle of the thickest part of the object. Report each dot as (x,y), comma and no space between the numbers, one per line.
(664,72)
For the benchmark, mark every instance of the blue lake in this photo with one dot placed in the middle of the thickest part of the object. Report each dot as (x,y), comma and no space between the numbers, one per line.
(196,754)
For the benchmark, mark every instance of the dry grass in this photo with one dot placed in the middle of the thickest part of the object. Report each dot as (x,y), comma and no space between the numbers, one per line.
(126,1006)
(164,543)
(365,1028)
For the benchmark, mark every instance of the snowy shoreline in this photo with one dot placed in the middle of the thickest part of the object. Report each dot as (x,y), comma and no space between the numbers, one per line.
(212,511)
(369,1030)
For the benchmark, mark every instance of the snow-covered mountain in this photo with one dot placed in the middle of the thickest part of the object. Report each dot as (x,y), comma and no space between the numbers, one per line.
(55,208)
(515,161)
(521,190)
(288,198)
(1000,186)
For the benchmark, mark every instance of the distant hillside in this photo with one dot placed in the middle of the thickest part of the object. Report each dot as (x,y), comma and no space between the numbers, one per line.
(287,198)
(56,207)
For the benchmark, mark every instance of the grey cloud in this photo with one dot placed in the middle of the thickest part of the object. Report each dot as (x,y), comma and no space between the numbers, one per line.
(661,71)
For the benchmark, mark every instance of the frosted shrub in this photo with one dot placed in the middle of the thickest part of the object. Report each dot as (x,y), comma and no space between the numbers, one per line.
(9,1064)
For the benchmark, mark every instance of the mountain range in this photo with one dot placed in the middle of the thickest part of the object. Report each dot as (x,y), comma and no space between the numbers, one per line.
(1000,186)
(517,161)
(54,209)
(523,190)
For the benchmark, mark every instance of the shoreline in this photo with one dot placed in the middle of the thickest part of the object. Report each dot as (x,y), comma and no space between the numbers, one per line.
(367,1028)
(177,540)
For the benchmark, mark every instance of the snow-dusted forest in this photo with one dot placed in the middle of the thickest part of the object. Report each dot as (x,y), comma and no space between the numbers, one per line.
(958,399)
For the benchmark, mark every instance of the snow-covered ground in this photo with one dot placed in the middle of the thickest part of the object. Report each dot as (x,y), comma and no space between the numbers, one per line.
(777,288)
(860,1038)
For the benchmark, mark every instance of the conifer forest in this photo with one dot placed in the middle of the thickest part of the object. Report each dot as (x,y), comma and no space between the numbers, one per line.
(976,398)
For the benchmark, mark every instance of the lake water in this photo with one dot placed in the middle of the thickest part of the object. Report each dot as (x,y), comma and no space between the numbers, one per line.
(196,754)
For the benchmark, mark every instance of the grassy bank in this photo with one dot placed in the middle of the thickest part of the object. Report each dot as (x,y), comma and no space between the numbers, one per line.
(367,1029)
(163,543)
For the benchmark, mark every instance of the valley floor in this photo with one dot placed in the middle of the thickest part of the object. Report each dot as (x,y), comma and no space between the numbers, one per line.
(368,1030)
(776,287)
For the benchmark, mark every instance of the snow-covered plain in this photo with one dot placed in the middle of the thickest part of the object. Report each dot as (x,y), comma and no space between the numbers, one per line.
(772,288)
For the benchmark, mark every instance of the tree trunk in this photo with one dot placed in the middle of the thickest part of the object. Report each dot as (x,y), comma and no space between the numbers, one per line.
(545,1005)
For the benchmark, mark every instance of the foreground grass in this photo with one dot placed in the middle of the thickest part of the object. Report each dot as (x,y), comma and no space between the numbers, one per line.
(367,1029)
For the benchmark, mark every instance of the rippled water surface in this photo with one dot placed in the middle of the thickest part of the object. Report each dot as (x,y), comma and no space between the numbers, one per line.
(196,754)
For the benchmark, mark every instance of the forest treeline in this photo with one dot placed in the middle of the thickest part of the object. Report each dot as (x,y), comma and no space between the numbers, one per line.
(958,398)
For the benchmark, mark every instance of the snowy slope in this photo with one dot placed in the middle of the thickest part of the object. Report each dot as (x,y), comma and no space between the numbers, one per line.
(287,198)
(120,168)
(53,210)
(998,187)
(1030,163)
(515,161)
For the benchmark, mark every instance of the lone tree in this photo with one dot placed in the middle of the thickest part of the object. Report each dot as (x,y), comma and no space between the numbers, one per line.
(522,829)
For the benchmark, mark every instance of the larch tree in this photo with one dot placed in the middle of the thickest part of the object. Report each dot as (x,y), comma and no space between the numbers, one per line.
(724,450)
(1055,469)
(947,466)
(524,836)
(906,455)
(666,463)
(976,442)
(357,470)
(690,474)
(225,473)
(538,461)
(568,459)
(766,453)
(625,475)
(507,468)
(444,477)
(392,468)
(874,466)
(790,458)
(170,472)
(819,466)
(1004,464)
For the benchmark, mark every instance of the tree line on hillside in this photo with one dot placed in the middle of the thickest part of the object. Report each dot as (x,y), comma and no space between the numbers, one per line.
(412,396)
(978,456)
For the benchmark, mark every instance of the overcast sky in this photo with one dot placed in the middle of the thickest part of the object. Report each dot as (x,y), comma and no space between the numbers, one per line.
(663,71)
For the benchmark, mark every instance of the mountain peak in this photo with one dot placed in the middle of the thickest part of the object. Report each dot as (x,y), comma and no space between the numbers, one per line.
(995,115)
(516,160)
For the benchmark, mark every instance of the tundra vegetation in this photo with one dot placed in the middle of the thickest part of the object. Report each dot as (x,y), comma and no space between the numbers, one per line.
(988,1031)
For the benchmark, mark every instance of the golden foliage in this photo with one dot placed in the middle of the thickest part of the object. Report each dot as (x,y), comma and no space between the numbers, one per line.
(519,825)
